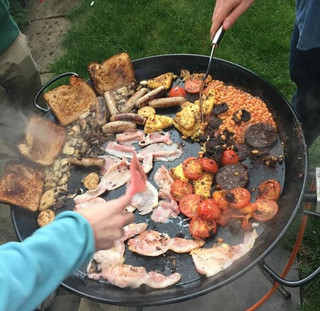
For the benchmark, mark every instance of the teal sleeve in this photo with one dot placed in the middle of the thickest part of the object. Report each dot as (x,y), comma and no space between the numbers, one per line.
(32,269)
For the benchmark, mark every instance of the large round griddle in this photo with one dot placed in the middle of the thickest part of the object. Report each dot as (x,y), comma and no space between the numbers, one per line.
(291,174)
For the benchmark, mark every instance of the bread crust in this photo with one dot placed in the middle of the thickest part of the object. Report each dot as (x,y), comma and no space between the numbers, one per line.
(68,102)
(22,186)
(113,73)
(43,142)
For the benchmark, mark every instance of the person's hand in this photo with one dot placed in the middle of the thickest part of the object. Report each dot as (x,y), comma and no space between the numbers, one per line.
(226,13)
(107,219)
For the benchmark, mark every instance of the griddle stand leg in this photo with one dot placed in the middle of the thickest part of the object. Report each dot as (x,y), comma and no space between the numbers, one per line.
(286,294)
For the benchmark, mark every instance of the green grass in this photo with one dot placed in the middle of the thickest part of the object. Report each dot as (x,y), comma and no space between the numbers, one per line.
(259,41)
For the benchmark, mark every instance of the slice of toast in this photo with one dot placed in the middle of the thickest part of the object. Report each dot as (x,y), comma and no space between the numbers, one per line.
(68,102)
(21,185)
(113,73)
(43,142)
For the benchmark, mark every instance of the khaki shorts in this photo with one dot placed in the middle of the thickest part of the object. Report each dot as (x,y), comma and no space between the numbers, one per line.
(19,76)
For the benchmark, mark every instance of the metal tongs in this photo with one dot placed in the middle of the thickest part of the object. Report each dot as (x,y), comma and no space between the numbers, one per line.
(215,41)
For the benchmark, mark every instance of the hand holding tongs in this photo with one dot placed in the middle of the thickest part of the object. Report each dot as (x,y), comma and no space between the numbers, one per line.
(216,39)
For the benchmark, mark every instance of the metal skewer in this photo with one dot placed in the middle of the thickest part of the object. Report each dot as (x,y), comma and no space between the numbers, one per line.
(216,39)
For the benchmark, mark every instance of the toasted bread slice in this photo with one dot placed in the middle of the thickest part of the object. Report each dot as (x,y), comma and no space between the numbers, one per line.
(113,73)
(68,102)
(43,142)
(22,186)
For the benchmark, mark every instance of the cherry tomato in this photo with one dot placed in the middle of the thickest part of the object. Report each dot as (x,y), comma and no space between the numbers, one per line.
(269,189)
(192,168)
(238,197)
(192,85)
(225,217)
(219,197)
(200,228)
(208,210)
(180,188)
(266,209)
(229,157)
(209,165)
(188,205)
(177,91)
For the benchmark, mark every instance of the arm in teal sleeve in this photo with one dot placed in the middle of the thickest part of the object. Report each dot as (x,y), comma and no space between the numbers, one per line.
(32,269)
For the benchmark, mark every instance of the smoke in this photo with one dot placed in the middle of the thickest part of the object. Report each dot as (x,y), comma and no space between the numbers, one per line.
(13,120)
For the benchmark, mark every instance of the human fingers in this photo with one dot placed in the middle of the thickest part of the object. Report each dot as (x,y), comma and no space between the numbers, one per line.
(227,12)
(120,203)
(108,237)
(236,13)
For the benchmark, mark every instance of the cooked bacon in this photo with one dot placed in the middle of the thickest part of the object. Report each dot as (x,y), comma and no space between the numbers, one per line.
(210,261)
(157,137)
(130,136)
(109,162)
(119,150)
(145,201)
(180,245)
(129,276)
(106,259)
(162,178)
(153,243)
(162,152)
(115,177)
(167,207)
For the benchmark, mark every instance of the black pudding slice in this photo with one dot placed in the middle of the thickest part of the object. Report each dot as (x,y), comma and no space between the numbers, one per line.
(260,135)
(231,176)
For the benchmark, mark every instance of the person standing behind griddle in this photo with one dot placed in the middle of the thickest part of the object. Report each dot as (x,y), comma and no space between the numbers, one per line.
(304,56)
(19,76)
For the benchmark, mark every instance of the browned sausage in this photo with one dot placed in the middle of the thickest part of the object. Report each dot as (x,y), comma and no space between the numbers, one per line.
(87,162)
(166,102)
(143,101)
(101,111)
(130,103)
(129,116)
(111,103)
(118,126)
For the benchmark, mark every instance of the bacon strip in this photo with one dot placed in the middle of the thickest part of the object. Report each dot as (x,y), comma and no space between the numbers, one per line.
(161,152)
(156,137)
(118,150)
(130,136)
(210,261)
(106,259)
(167,207)
(115,177)
(129,276)
(153,243)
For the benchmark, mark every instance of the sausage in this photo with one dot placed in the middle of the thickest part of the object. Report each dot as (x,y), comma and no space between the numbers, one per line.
(111,103)
(129,116)
(118,126)
(143,101)
(101,111)
(130,103)
(231,176)
(87,162)
(166,102)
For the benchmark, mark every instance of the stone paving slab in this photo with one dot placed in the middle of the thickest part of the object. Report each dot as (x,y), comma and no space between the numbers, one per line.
(45,40)
(49,8)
